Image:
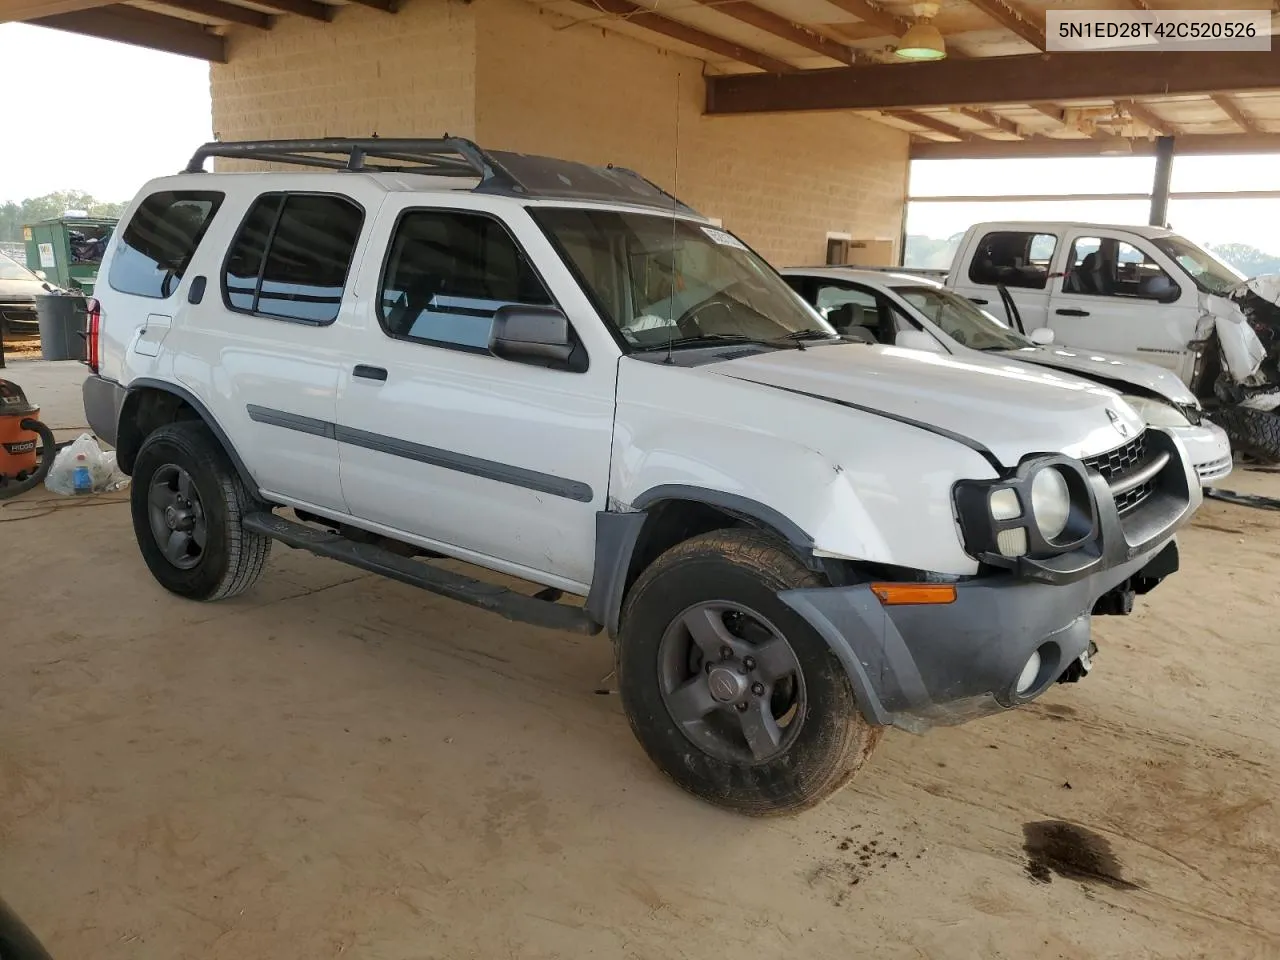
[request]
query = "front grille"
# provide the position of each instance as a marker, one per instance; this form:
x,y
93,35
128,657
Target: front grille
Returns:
x,y
1115,465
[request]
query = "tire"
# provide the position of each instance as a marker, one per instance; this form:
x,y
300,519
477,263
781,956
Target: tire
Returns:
x,y
229,559
826,739
1252,432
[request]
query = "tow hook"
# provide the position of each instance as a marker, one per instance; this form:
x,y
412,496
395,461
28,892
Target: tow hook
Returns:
x,y
1080,667
1116,602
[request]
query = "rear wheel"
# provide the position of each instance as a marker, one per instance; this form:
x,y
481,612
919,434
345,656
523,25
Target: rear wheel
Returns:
x,y
730,692
188,503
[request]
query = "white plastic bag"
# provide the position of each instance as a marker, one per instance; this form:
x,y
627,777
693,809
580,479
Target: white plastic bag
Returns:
x,y
83,467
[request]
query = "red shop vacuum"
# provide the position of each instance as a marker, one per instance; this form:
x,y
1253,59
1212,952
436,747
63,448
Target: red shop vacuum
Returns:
x,y
26,445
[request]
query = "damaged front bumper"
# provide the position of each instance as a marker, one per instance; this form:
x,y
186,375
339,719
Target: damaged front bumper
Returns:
x,y
1208,450
1006,637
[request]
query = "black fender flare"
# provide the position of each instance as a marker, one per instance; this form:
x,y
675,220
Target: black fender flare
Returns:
x,y
617,534
182,393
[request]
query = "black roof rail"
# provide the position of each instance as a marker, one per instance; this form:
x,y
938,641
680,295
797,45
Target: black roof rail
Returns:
x,y
497,172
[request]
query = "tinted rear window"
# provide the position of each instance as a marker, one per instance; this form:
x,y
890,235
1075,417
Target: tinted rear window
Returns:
x,y
292,255
160,240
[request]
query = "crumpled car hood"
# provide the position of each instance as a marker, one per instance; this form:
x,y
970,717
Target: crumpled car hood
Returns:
x,y
1011,409
1164,383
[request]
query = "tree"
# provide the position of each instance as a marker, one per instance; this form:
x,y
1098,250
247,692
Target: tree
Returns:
x,y
1250,261
15,216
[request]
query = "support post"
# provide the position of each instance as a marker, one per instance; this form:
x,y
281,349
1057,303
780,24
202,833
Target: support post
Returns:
x,y
1160,189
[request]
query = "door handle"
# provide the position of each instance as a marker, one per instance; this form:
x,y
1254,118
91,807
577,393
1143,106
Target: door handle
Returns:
x,y
367,372
196,291
979,301
1071,313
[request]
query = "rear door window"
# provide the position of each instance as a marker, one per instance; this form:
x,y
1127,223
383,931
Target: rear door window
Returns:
x,y
1015,258
160,240
292,256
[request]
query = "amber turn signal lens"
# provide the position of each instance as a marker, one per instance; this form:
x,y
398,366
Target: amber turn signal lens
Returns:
x,y
893,594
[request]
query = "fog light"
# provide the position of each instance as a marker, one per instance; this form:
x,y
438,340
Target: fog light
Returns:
x,y
1012,543
1004,504
1027,678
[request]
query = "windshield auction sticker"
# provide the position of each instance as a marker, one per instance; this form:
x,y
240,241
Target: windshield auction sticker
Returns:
x,y
1150,30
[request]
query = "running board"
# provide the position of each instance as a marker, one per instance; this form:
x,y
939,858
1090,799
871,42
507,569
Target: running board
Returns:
x,y
455,586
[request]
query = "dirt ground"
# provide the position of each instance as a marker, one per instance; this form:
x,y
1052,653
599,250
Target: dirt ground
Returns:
x,y
335,765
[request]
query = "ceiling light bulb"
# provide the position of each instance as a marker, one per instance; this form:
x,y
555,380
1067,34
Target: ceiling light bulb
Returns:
x,y
923,41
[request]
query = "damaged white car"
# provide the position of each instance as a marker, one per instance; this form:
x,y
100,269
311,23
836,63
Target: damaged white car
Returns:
x,y
918,313
1142,292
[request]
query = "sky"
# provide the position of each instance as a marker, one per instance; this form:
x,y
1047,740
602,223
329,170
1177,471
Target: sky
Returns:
x,y
109,117
1254,222
86,114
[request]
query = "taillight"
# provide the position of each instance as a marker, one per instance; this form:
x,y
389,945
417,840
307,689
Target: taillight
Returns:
x,y
93,312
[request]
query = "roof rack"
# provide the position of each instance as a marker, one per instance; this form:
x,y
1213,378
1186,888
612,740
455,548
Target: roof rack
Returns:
x,y
497,172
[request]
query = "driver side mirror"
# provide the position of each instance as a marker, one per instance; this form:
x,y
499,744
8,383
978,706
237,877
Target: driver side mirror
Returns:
x,y
41,275
917,340
528,334
1041,336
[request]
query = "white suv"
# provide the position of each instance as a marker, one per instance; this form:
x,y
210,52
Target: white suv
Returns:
x,y
561,373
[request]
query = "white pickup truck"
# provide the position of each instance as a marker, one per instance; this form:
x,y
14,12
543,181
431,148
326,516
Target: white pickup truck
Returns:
x,y
1137,291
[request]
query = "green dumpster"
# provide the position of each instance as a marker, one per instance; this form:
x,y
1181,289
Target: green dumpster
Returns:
x,y
68,250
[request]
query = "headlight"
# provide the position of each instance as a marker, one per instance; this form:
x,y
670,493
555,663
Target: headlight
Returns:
x,y
1045,509
1157,413
1050,502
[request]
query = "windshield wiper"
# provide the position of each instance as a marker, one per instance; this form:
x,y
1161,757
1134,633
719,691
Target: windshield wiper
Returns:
x,y
714,338
810,334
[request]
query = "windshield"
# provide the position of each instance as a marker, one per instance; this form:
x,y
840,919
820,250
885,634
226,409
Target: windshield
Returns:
x,y
662,281
12,270
1208,273
961,320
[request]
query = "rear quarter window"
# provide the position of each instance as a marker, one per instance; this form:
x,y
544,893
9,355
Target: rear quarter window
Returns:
x,y
159,241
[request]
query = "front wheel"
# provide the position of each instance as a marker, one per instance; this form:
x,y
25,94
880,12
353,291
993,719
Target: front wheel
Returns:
x,y
730,692
188,503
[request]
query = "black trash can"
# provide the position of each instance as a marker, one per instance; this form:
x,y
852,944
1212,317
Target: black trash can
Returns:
x,y
62,324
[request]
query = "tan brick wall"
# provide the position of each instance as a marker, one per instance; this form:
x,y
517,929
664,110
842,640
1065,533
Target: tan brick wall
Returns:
x,y
412,74
516,77
780,182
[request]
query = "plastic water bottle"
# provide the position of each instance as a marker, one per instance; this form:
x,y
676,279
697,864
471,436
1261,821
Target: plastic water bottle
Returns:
x,y
82,482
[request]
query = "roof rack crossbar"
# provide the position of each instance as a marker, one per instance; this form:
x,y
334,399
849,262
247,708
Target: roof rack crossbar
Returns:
x,y
447,154
450,157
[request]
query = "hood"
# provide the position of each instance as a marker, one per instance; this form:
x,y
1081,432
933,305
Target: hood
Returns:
x,y
1107,366
1009,408
21,289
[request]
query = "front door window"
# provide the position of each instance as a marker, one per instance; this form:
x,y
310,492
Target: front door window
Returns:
x,y
1109,267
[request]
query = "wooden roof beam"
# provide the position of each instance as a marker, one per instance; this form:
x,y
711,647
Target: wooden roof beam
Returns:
x,y
936,124
1192,144
1052,111
1038,78
1232,110
1157,123
1009,17
386,6
142,28
302,8
876,16
16,10
644,17
220,10
746,12
993,120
